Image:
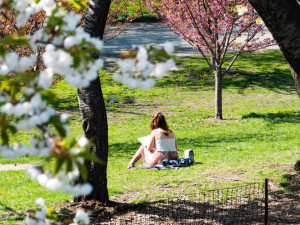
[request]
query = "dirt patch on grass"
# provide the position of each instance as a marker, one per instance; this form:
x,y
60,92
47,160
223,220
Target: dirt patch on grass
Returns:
x,y
284,167
227,177
6,167
214,120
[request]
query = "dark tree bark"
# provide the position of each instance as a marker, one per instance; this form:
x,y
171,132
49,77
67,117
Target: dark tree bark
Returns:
x,y
282,17
92,107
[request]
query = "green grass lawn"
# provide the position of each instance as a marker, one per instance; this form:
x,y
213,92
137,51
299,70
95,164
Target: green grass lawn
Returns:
x,y
259,137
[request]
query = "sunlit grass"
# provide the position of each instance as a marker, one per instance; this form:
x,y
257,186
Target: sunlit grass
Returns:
x,y
259,138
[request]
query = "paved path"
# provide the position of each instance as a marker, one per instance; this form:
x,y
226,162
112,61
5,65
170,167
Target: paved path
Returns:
x,y
150,33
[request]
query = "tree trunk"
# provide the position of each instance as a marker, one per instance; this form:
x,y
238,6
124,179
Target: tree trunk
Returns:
x,y
282,17
218,94
218,87
92,107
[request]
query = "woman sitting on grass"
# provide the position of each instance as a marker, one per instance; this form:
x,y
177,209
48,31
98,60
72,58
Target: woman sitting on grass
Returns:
x,y
162,144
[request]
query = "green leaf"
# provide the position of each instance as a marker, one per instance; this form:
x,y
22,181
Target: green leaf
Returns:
x,y
76,61
58,126
57,165
51,214
69,165
7,84
79,4
89,156
71,143
83,170
13,129
48,96
4,136
2,50
14,40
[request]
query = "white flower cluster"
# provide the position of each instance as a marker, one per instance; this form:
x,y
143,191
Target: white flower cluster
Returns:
x,y
61,182
136,72
79,36
12,62
40,216
81,217
59,61
241,10
38,148
34,112
26,8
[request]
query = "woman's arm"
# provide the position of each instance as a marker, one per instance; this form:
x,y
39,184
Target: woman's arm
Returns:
x,y
152,142
175,140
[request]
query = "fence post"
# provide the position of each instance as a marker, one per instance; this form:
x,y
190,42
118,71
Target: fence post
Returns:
x,y
266,201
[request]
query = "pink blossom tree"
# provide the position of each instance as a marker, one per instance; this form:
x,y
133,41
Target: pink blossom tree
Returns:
x,y
220,29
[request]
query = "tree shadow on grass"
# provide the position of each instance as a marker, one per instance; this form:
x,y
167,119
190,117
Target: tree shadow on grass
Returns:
x,y
276,118
176,210
279,81
10,215
70,104
196,76
124,149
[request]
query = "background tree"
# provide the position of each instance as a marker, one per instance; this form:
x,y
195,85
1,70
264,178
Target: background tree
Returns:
x,y
215,28
282,17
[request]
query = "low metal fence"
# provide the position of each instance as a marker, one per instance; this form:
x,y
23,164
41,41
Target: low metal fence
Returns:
x,y
245,204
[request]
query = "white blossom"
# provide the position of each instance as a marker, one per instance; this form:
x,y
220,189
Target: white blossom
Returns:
x,y
41,215
7,108
64,117
142,55
11,60
40,201
53,184
42,179
117,77
146,84
29,91
30,221
4,98
45,78
33,172
71,21
47,5
4,70
242,10
8,153
25,62
58,41
71,41
81,216
131,82
82,142
162,68
126,65
36,101
169,47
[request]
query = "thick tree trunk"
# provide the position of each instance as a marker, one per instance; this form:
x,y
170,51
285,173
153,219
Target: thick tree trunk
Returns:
x,y
218,94
282,17
92,107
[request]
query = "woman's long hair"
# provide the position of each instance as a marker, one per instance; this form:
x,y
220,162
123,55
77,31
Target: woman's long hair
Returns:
x,y
159,121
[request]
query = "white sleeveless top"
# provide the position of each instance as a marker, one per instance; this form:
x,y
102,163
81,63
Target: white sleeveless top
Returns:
x,y
165,144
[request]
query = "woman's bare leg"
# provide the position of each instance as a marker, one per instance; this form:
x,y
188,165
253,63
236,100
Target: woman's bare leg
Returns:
x,y
136,157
